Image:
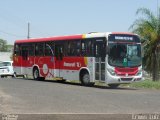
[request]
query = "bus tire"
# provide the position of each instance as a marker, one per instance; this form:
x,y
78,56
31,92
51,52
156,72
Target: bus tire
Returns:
x,y
85,79
36,74
113,85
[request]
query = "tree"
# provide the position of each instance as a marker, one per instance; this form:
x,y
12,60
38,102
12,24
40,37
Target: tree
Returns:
x,y
148,27
3,45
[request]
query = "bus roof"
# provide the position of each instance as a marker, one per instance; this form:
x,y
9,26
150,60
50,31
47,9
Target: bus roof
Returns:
x,y
56,38
70,37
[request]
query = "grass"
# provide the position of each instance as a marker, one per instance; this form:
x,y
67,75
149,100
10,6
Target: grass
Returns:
x,y
147,84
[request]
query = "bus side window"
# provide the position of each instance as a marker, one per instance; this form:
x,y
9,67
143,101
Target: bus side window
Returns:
x,y
17,50
87,48
59,52
39,49
78,48
83,49
56,52
24,52
31,50
71,48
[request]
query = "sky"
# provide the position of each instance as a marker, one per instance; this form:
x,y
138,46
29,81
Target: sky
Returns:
x,y
67,17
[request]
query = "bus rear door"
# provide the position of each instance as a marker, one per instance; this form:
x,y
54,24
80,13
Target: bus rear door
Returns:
x,y
27,59
59,59
24,62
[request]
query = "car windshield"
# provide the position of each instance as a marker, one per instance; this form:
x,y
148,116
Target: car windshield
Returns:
x,y
2,64
124,55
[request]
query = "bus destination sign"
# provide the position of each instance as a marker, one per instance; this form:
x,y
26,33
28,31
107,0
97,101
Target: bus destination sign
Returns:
x,y
123,38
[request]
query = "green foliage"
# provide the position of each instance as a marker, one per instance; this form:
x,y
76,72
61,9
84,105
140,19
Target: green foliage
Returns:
x,y
148,27
146,84
3,45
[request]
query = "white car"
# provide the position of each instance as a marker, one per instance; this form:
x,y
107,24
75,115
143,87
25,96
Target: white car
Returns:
x,y
6,69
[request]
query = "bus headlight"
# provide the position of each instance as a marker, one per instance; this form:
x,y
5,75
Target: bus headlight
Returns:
x,y
139,72
111,71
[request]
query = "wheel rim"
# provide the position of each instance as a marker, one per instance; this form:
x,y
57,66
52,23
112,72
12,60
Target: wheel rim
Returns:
x,y
85,79
36,74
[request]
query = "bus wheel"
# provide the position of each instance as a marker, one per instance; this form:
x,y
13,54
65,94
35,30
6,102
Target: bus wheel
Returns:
x,y
35,74
113,85
85,80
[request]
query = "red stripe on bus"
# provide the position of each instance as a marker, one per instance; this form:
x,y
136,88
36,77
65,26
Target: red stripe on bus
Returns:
x,y
72,37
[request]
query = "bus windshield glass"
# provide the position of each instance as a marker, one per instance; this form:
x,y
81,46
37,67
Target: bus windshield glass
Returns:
x,y
124,55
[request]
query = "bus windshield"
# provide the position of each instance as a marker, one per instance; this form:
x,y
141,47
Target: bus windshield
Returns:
x,y
124,55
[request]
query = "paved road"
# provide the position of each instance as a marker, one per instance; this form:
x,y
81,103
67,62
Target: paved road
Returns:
x,y
38,97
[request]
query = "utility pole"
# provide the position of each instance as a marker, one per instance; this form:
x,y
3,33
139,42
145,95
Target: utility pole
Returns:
x,y
28,35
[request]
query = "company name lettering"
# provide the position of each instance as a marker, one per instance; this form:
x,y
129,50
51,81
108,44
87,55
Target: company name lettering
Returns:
x,y
72,64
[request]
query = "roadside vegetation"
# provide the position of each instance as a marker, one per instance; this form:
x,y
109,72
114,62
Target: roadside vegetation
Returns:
x,y
4,47
147,26
146,84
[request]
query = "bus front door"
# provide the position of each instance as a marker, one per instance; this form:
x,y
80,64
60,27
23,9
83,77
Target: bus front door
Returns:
x,y
100,60
59,60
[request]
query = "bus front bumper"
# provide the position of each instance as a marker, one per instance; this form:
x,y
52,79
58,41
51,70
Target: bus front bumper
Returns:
x,y
122,79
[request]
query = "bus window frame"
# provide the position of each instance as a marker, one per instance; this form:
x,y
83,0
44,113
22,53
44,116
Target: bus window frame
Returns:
x,y
17,52
52,45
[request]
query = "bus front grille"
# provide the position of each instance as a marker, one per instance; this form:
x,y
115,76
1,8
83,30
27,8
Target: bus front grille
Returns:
x,y
126,79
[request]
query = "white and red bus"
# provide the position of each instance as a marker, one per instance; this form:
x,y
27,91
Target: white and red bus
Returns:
x,y
110,57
